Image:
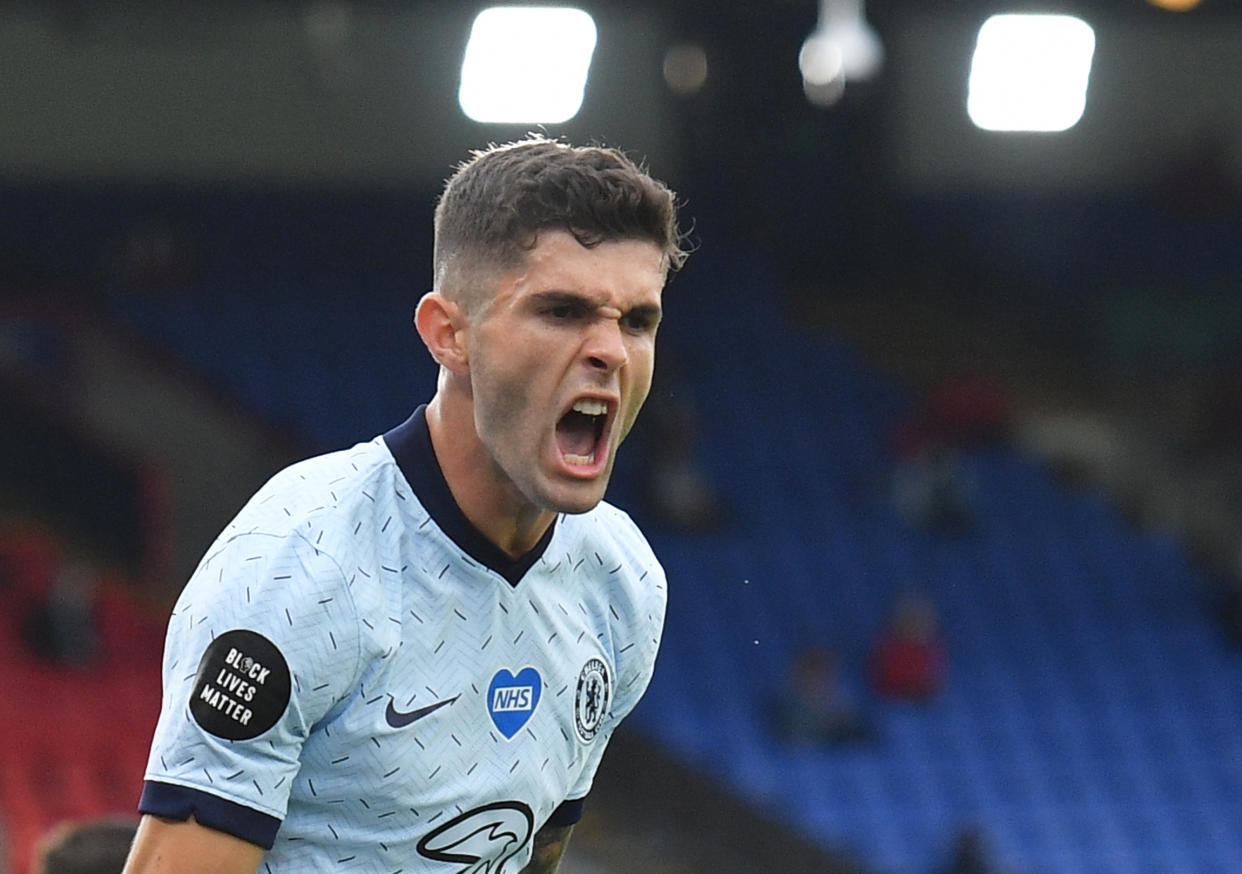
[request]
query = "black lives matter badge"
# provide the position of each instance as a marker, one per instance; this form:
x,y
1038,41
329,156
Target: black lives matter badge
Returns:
x,y
242,686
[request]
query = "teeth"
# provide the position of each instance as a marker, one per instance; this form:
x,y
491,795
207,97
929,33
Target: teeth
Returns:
x,y
580,459
590,407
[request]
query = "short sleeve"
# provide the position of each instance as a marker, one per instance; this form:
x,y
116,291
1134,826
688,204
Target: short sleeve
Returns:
x,y
262,644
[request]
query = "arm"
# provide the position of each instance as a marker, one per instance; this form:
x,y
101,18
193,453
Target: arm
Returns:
x,y
166,846
550,845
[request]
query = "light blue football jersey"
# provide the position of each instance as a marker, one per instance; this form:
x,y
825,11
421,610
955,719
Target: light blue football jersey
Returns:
x,y
355,678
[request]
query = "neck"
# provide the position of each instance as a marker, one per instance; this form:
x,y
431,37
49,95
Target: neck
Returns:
x,y
485,496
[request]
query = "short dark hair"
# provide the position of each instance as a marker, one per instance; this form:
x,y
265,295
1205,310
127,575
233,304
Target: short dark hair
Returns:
x,y
496,203
97,846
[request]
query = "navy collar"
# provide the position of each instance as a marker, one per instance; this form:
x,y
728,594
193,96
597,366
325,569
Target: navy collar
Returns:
x,y
410,445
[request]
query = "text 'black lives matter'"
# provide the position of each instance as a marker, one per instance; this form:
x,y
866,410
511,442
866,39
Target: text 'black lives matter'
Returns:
x,y
242,686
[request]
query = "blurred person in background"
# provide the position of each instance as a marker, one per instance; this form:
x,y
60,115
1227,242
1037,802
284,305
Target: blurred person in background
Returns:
x,y
91,846
62,626
932,491
931,482
815,707
969,855
909,659
678,490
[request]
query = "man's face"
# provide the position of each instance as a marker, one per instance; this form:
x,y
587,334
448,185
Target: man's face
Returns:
x,y
560,362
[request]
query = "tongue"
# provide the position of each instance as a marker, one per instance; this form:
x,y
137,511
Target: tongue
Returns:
x,y
575,434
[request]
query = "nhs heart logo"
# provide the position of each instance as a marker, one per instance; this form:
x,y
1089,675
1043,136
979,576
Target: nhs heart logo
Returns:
x,y
512,699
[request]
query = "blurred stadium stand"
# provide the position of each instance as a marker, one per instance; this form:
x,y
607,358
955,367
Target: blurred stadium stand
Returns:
x,y
1083,727
183,340
75,737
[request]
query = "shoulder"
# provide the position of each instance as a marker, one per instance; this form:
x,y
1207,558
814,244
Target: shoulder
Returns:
x,y
335,482
290,552
611,526
607,540
330,504
608,535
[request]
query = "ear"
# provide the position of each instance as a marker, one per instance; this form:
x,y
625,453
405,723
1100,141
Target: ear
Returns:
x,y
442,325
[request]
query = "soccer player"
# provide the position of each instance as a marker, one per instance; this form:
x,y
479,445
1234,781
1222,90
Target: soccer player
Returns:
x,y
409,656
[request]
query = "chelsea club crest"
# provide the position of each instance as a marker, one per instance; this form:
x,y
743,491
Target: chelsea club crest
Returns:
x,y
592,698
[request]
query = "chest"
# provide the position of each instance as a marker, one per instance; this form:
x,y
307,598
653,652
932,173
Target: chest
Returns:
x,y
475,693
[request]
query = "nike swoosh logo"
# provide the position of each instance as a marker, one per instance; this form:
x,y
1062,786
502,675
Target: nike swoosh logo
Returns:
x,y
397,719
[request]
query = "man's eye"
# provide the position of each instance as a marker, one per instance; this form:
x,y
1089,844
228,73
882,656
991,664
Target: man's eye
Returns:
x,y
562,312
639,322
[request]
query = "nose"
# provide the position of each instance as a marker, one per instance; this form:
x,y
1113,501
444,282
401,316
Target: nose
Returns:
x,y
605,348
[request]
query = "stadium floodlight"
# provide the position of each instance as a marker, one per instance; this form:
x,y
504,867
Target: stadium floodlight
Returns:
x,y
526,64
843,48
685,68
823,70
1030,73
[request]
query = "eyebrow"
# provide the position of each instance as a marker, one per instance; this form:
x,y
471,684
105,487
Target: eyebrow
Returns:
x,y
575,299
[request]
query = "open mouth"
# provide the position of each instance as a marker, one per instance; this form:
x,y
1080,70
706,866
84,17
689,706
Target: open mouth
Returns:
x,y
580,432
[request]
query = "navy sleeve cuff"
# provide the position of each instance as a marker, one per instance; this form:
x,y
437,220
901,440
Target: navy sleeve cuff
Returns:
x,y
567,814
179,802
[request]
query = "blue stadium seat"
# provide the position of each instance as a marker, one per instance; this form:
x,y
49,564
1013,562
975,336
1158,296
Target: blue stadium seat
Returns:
x,y
1088,725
